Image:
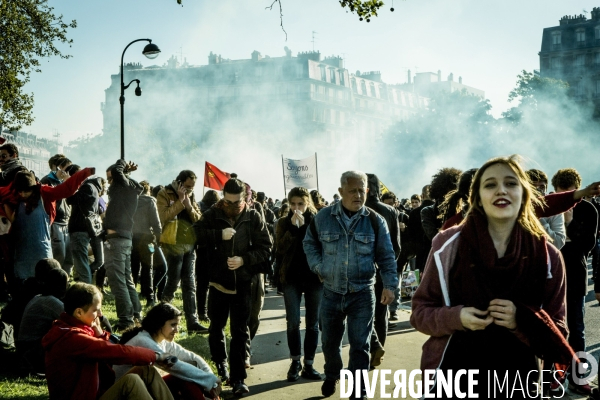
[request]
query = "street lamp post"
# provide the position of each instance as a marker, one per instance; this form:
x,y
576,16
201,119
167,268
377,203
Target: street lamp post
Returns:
x,y
151,51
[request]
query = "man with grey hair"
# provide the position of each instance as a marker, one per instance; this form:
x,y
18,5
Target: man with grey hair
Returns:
x,y
342,245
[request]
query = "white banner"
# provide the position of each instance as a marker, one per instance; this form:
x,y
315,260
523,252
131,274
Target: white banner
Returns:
x,y
300,173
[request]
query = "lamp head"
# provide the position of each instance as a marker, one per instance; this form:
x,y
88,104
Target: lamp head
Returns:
x,y
138,91
151,51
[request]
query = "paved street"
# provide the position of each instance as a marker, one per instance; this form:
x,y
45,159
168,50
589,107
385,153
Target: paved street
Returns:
x,y
270,361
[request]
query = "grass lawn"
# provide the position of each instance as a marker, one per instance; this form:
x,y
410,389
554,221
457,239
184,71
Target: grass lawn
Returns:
x,y
14,385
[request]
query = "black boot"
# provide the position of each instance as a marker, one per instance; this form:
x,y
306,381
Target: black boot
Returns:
x,y
308,372
294,371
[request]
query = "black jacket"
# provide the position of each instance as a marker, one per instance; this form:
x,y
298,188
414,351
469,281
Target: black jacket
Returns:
x,y
122,201
389,213
294,266
582,232
84,203
251,241
146,217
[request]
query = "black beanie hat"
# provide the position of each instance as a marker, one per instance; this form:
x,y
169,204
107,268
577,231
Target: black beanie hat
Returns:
x,y
24,181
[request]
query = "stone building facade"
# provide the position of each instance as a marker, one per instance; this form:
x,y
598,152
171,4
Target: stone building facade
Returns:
x,y
34,151
571,52
296,96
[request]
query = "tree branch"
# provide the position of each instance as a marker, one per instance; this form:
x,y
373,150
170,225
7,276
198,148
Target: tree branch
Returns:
x,y
280,15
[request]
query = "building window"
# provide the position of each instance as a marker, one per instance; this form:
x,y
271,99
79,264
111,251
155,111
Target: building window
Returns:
x,y
580,88
597,58
342,78
332,75
556,38
597,33
580,60
580,36
363,88
598,88
353,84
323,73
373,91
555,62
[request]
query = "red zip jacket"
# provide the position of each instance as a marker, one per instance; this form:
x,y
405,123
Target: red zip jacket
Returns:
x,y
48,193
77,362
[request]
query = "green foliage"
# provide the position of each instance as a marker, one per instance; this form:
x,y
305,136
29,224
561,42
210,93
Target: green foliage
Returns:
x,y
28,32
365,9
531,92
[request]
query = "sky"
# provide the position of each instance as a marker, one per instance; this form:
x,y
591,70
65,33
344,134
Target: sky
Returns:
x,y
486,43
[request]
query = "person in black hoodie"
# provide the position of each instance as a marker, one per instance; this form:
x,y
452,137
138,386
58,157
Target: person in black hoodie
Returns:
x,y
84,204
146,228
391,215
122,203
9,166
419,241
582,225
297,278
210,198
238,241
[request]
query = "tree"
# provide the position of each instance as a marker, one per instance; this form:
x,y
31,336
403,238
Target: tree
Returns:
x,y
532,92
29,31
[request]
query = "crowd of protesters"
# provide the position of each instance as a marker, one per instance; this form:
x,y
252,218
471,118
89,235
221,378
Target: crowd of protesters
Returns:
x,y
501,262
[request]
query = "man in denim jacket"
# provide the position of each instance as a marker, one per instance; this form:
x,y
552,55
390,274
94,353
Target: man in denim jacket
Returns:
x,y
341,248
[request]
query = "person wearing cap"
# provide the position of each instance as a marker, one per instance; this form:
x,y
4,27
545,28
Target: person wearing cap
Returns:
x,y
32,209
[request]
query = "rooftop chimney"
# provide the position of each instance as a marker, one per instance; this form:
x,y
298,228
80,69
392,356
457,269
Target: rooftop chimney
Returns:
x,y
409,77
450,77
460,79
256,56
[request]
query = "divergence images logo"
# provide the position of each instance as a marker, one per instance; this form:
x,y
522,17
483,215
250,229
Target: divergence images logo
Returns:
x,y
587,368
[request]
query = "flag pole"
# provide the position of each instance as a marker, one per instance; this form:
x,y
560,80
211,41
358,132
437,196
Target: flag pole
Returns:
x,y
283,172
203,186
317,168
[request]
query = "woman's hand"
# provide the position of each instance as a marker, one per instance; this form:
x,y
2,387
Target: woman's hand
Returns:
x,y
298,219
215,392
504,313
474,319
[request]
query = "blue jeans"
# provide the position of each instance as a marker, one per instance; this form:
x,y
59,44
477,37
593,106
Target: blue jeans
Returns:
x,y
292,295
118,271
61,246
79,248
358,309
181,260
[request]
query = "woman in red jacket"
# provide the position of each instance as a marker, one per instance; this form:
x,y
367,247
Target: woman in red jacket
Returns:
x,y
31,213
492,296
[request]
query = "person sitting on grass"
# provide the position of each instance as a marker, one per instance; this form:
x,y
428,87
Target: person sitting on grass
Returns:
x,y
39,315
190,377
79,354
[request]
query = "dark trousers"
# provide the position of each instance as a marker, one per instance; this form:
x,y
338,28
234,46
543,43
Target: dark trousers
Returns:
x,y
202,280
236,307
380,323
142,267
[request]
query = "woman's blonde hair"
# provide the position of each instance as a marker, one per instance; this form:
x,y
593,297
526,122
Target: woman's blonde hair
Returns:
x,y
526,218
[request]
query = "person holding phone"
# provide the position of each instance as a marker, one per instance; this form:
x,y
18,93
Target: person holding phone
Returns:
x,y
178,211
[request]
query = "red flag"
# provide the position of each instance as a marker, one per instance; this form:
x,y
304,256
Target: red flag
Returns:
x,y
2,140
214,178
